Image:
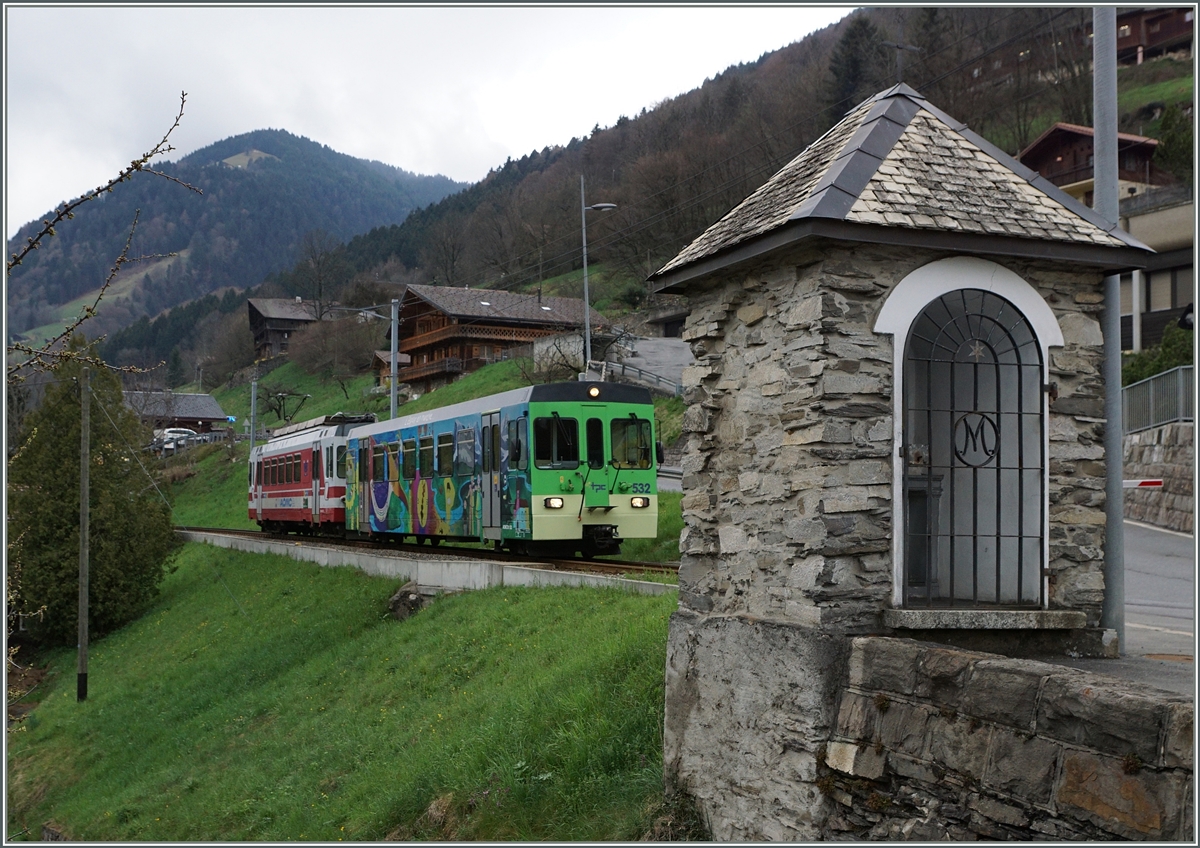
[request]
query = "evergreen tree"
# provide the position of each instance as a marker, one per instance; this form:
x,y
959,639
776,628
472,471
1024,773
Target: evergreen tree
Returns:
x,y
131,535
858,68
1176,144
176,375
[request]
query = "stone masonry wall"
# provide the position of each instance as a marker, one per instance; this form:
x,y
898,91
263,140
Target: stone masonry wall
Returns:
x,y
788,465
786,550
934,743
1167,452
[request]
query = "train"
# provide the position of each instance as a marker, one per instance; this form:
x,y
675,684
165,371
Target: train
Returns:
x,y
556,469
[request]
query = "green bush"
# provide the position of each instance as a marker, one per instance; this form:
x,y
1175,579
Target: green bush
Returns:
x,y
1176,349
130,530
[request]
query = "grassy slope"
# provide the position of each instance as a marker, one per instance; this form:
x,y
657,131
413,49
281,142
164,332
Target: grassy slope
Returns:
x,y
262,698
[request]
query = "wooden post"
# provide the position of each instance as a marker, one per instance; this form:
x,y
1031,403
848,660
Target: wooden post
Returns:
x,y
84,463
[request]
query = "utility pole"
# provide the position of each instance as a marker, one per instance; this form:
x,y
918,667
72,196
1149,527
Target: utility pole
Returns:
x,y
900,48
253,409
395,343
85,397
1107,204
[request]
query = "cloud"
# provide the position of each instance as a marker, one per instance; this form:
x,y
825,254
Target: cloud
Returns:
x,y
444,90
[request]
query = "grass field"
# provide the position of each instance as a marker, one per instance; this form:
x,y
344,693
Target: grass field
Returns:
x,y
266,699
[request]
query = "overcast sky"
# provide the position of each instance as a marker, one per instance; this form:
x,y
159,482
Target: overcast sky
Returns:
x,y
441,90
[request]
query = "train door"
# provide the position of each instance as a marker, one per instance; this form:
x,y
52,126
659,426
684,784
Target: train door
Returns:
x,y
317,465
257,481
490,438
595,489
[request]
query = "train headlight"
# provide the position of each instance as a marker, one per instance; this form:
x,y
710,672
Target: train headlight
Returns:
x,y
594,392
554,503
639,503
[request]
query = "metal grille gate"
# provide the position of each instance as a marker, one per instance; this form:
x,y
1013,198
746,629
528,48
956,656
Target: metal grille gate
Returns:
x,y
974,461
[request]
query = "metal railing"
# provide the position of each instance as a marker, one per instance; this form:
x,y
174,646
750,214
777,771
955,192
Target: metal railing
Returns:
x,y
633,374
1161,399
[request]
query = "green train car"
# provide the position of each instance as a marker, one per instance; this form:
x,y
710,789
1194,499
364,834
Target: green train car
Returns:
x,y
557,470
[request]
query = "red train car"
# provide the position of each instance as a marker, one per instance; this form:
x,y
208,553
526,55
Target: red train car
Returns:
x,y
298,478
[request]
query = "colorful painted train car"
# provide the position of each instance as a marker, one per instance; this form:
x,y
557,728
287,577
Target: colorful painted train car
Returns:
x,y
553,469
298,478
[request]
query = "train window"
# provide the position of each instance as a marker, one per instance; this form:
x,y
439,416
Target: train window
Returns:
x,y
364,464
340,459
518,456
595,443
410,459
270,472
425,457
287,469
379,463
631,443
495,428
519,440
328,461
486,459
556,442
296,475
464,453
258,473
445,454
391,462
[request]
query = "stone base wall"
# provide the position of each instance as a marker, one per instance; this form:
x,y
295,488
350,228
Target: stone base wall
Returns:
x,y
750,703
937,743
782,732
1167,452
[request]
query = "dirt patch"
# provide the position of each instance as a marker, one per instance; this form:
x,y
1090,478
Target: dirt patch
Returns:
x,y
22,683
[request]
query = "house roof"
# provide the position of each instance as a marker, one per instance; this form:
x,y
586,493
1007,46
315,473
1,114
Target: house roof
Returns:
x,y
284,308
898,170
504,306
196,407
385,356
1062,127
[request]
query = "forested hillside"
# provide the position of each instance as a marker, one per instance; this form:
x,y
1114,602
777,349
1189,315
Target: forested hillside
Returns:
x,y
262,191
680,164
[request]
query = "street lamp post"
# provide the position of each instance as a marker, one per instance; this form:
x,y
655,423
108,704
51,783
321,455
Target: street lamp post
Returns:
x,y
587,320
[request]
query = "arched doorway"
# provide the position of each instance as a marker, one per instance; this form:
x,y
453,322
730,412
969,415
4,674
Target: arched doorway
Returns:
x,y
973,455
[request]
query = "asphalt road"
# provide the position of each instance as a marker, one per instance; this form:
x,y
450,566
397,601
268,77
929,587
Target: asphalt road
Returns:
x,y
1160,612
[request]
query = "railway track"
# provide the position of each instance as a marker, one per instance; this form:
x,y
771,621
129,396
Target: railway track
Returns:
x,y
595,566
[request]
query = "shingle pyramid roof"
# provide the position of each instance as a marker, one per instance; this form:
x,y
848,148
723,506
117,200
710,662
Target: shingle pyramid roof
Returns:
x,y
910,173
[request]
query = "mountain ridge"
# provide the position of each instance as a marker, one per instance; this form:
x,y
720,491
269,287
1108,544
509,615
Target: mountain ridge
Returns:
x,y
246,225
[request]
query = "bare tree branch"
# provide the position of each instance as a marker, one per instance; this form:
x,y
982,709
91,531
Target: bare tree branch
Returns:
x,y
53,351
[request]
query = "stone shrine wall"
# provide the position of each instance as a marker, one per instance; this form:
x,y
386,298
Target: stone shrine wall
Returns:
x,y
788,465
787,555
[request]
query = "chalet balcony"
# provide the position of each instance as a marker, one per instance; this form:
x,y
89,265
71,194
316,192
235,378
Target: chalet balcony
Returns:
x,y
449,365
474,332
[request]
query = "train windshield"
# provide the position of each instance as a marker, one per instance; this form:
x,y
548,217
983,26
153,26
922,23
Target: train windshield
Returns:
x,y
631,443
556,442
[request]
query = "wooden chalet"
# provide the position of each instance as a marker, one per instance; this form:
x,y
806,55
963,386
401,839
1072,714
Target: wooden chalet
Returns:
x,y
1064,155
273,320
450,331
162,409
382,365
1146,32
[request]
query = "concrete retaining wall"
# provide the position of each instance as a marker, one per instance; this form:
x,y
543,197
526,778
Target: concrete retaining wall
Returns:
x,y
937,743
1166,452
434,574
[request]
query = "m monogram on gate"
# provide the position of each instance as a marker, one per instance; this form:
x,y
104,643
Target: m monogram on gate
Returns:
x,y
976,438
